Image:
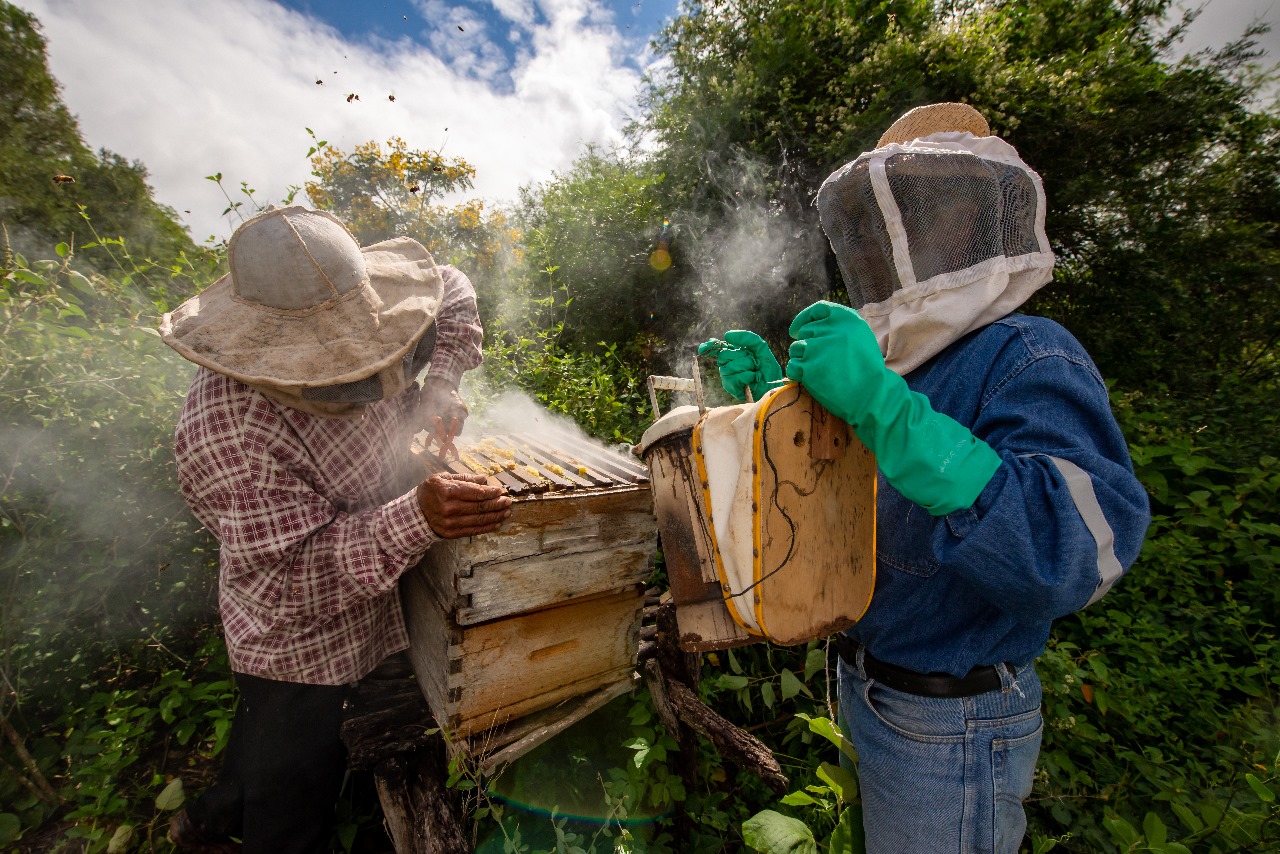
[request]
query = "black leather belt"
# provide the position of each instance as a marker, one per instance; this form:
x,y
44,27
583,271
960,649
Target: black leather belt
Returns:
x,y
979,680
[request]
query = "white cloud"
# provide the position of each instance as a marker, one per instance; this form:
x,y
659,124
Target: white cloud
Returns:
x,y
194,88
1223,21
516,11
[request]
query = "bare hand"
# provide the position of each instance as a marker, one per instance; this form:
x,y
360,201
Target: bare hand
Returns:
x,y
462,505
444,413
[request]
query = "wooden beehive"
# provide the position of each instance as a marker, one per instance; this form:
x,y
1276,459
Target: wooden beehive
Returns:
x,y
814,513
516,633
687,547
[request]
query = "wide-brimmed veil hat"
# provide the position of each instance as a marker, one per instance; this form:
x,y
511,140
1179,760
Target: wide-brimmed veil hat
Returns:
x,y
304,306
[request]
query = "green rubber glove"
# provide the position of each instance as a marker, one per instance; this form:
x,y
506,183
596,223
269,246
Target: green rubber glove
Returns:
x,y
929,457
745,361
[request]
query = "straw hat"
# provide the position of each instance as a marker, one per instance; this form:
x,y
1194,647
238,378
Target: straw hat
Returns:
x,y
934,118
304,306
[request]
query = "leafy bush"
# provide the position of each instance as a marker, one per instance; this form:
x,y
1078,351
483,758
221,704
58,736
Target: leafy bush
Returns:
x,y
603,392
105,580
1162,699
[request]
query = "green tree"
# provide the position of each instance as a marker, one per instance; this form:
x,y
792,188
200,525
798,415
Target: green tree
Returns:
x,y
397,191
591,242
400,192
1161,180
49,178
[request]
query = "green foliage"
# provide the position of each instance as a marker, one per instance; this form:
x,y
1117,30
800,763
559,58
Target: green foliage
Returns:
x,y
603,392
833,800
394,192
1161,182
774,833
48,175
105,581
1161,700
89,397
120,766
589,239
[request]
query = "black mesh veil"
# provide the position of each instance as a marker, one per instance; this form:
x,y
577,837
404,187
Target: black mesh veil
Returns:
x,y
905,217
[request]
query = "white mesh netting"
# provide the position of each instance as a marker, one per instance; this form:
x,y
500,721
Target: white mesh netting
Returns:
x,y
903,215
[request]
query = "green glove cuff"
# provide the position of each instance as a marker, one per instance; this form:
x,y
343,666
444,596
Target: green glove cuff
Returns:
x,y
929,457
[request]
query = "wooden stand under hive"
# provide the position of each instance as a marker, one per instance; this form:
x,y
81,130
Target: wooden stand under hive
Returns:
x,y
518,633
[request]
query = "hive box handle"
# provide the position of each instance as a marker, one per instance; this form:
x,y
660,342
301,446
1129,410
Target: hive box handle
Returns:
x,y
675,384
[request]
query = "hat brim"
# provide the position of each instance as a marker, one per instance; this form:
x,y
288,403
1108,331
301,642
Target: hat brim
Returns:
x,y
361,333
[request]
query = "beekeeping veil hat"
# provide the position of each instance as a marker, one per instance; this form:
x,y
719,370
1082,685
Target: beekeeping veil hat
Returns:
x,y
309,318
938,231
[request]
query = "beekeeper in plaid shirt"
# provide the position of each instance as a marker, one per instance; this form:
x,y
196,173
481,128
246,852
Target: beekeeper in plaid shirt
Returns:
x,y
293,450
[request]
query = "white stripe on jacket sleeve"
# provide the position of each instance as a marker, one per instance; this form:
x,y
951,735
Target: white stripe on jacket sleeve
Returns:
x,y
1080,486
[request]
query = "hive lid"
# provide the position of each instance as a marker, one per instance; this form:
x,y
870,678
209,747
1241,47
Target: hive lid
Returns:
x,y
678,419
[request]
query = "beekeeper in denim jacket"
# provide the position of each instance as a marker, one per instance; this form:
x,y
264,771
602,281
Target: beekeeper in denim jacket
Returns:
x,y
1007,496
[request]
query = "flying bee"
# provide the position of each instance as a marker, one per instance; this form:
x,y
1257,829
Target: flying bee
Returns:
x,y
63,179
413,188
352,97
319,82
391,98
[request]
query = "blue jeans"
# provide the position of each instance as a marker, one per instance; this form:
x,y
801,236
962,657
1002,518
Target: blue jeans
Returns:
x,y
943,775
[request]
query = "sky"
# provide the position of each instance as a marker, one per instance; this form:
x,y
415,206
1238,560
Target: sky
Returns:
x,y
194,88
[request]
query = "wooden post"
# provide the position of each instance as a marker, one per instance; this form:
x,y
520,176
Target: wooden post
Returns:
x,y
671,676
421,816
387,731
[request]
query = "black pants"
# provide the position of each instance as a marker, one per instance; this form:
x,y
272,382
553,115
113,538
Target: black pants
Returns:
x,y
282,771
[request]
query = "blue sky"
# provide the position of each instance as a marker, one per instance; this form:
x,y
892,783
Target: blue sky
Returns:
x,y
493,30
194,88
517,87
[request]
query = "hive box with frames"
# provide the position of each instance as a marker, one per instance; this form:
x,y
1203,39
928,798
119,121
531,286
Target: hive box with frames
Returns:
x,y
767,516
516,634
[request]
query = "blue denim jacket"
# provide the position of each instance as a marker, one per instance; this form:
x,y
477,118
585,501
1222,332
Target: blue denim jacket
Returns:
x,y
1063,517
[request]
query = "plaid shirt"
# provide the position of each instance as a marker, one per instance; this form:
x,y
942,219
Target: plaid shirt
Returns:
x,y
316,517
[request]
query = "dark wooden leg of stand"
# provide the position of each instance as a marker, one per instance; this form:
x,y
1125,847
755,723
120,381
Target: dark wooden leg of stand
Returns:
x,y
672,676
420,814
388,730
